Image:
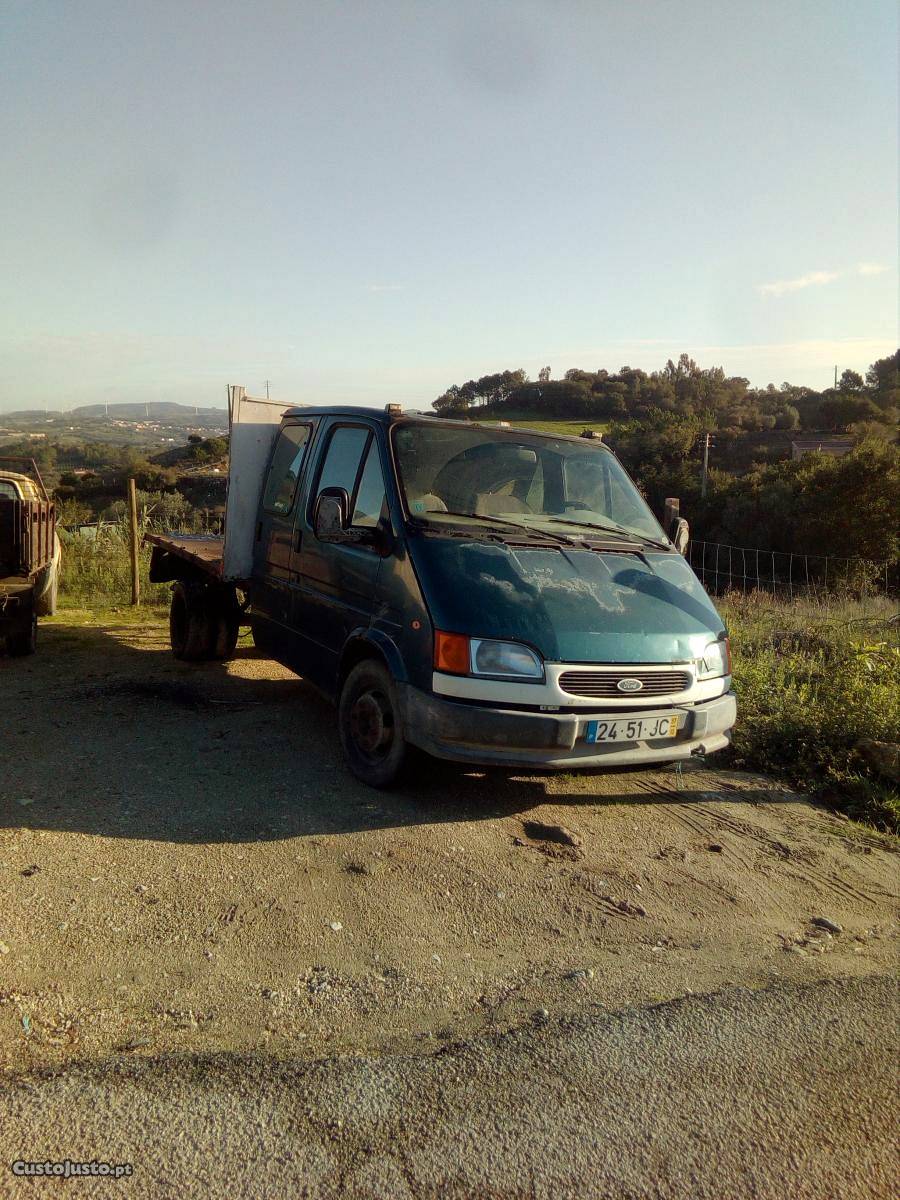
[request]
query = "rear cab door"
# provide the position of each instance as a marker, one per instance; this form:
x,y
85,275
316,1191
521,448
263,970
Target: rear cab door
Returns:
x,y
277,541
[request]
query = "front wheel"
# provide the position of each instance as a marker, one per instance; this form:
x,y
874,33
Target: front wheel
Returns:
x,y
370,726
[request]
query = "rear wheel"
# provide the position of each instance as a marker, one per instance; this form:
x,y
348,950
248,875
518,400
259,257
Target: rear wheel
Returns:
x,y
18,645
226,627
204,621
370,726
190,625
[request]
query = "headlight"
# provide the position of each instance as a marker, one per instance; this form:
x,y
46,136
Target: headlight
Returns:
x,y
716,660
504,658
456,654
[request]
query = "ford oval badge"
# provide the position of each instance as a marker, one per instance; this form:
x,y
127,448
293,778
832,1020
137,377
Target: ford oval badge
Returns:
x,y
629,685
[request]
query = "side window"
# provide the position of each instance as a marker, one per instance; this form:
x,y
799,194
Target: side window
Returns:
x,y
370,494
281,482
341,466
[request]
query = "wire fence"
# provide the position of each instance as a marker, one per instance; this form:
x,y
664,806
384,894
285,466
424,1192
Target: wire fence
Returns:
x,y
722,568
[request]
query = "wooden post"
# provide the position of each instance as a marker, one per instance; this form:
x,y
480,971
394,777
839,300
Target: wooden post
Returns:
x,y
135,548
671,513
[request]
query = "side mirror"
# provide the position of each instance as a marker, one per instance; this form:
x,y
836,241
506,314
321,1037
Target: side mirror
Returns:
x,y
680,534
332,515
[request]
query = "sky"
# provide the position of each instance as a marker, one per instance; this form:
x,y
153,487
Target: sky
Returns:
x,y
367,202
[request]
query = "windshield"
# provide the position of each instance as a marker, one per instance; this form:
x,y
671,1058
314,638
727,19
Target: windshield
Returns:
x,y
516,476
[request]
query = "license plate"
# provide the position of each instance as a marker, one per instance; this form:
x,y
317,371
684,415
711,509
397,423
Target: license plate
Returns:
x,y
634,729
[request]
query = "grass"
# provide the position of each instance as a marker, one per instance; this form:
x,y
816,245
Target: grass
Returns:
x,y
569,428
813,679
96,572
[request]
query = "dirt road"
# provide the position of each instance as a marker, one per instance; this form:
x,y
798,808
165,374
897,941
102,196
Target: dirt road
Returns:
x,y
185,865
782,1093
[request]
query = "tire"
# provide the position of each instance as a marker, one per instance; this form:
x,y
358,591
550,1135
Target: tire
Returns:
x,y
226,627
370,725
19,645
191,624
45,605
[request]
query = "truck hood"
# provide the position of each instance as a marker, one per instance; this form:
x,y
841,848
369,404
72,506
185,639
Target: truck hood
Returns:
x,y
571,605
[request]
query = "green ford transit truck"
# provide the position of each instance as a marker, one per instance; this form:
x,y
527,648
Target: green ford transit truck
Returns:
x,y
490,595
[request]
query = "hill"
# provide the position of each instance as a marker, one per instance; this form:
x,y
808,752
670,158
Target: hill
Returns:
x,y
154,410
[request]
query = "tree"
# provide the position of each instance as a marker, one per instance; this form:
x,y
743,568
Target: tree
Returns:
x,y
839,412
787,418
851,381
544,375
883,380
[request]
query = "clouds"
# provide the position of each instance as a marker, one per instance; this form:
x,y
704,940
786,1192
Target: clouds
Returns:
x,y
870,268
782,287
810,279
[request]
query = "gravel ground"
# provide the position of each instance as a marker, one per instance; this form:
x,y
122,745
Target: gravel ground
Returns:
x,y
786,1092
190,878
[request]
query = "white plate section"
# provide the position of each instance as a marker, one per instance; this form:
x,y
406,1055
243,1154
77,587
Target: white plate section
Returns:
x,y
254,426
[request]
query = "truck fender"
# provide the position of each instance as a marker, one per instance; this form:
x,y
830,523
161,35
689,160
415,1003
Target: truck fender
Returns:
x,y
360,644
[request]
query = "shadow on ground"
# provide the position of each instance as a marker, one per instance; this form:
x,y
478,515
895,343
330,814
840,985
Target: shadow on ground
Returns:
x,y
106,734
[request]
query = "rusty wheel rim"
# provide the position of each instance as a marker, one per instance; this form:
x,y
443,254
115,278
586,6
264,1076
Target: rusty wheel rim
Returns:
x,y
372,725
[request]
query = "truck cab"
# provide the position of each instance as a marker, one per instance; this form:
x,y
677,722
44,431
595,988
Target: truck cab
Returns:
x,y
489,595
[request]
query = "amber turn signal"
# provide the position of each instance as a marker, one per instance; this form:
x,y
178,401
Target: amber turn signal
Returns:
x,y
451,653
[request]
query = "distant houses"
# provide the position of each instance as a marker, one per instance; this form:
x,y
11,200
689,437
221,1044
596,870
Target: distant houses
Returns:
x,y
822,443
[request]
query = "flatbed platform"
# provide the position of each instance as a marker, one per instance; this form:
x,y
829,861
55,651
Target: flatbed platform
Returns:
x,y
205,551
15,586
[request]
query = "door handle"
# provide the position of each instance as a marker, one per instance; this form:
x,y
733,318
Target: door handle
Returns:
x,y
298,542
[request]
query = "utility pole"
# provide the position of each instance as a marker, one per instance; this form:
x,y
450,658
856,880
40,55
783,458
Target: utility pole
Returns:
x,y
835,376
707,442
267,388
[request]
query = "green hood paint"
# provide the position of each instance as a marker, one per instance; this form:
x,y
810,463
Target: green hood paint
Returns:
x,y
571,605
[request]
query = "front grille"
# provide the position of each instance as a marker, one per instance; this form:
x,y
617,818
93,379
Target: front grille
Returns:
x,y
605,683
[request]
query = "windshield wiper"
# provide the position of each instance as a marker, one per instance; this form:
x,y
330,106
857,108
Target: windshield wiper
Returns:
x,y
517,525
522,527
611,528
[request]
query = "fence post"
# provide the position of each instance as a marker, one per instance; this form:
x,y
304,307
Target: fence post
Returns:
x,y
133,538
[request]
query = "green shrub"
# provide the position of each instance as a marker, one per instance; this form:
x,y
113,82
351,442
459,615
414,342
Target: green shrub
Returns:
x,y
812,680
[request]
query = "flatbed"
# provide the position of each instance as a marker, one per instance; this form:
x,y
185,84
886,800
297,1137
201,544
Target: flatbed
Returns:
x,y
203,551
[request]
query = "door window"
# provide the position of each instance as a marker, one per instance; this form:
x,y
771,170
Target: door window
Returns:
x,y
284,472
370,494
342,458
352,462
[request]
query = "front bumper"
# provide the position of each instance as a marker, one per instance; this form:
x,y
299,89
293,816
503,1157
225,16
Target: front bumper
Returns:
x,y
485,736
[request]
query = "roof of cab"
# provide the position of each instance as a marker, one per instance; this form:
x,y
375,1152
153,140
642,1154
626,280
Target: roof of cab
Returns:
x,y
386,417
28,489
355,410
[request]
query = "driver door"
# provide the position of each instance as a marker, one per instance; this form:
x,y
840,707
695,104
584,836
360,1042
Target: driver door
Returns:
x,y
338,581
